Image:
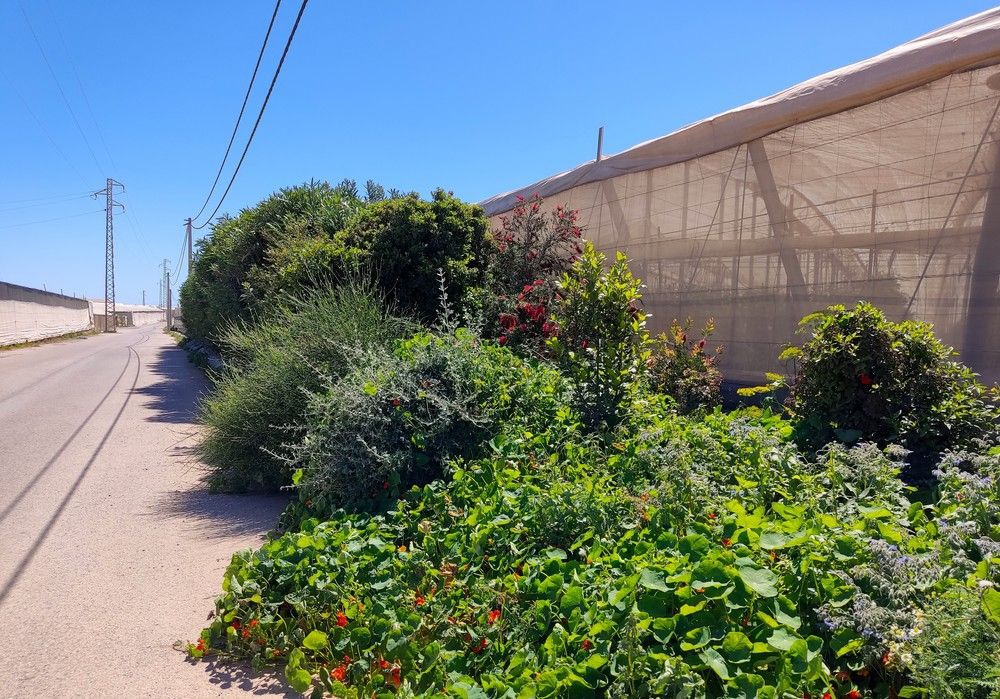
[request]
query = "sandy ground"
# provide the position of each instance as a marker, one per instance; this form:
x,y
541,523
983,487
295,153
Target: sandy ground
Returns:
x,y
110,548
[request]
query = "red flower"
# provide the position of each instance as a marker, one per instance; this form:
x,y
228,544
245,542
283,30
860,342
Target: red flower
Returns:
x,y
826,695
419,600
201,645
712,515
385,485
539,282
493,616
236,624
507,321
339,673
865,379
253,623
481,647
395,675
246,633
854,694
341,619
583,344
727,542
587,645
502,340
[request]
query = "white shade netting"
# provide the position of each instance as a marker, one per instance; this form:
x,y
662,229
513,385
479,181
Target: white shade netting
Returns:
x,y
27,315
875,182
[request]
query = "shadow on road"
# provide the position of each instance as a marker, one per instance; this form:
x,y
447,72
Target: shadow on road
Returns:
x,y
267,682
174,396
219,516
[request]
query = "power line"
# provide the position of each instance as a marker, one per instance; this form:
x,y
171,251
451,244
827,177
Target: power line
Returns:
x,y
79,83
243,107
42,201
260,114
50,220
58,85
41,126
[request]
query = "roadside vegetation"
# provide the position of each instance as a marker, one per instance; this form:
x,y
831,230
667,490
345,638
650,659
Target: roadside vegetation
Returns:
x,y
504,486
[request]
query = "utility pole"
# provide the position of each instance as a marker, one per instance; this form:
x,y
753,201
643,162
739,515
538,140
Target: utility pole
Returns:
x,y
143,297
110,321
163,283
187,226
168,300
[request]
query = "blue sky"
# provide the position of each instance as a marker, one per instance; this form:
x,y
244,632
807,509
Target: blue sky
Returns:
x,y
474,97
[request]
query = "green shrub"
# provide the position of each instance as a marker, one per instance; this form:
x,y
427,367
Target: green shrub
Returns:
x,y
559,564
680,367
403,412
232,274
406,241
862,377
602,344
271,365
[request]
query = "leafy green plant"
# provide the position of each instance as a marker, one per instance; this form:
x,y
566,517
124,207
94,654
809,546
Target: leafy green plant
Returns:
x,y
602,343
232,274
396,419
682,368
406,240
863,377
954,652
261,393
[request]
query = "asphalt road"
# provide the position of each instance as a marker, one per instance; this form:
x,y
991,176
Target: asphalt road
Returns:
x,y
111,550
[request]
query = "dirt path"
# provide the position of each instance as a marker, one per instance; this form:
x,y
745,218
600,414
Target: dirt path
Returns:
x,y
110,549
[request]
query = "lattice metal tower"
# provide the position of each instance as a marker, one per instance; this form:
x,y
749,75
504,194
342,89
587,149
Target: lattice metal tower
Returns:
x,y
110,324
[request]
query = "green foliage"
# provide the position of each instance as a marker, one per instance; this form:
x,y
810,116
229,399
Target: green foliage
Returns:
x,y
271,365
862,377
232,273
405,242
955,651
561,565
396,419
602,344
680,367
531,252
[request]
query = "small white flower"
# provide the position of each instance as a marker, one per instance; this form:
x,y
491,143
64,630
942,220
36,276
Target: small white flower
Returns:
x,y
985,583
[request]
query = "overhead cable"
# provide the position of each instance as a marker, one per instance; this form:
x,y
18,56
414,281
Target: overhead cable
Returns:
x,y
243,107
260,115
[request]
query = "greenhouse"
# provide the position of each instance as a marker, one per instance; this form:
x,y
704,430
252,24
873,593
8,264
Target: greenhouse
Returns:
x,y
877,181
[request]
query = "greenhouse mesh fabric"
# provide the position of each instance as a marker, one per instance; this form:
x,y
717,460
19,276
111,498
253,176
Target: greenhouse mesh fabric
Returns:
x,y
28,314
874,182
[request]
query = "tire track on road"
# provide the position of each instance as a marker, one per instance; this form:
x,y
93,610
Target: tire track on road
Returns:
x,y
36,545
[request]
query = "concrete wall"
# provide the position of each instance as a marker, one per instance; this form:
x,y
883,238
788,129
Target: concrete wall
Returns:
x,y
29,314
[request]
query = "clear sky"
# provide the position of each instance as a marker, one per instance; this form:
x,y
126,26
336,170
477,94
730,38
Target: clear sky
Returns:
x,y
475,97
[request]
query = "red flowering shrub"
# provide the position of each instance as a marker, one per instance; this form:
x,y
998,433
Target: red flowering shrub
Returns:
x,y
531,251
680,367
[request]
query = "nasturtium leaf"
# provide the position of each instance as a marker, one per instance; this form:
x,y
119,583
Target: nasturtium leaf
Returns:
x,y
781,639
845,640
745,687
572,598
713,659
770,541
991,605
361,636
316,640
696,638
652,580
760,580
695,546
298,678
736,647
688,609
798,655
